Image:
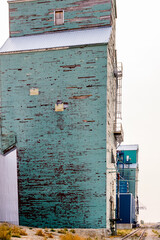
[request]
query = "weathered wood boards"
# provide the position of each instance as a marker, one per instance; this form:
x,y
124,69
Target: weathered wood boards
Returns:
x,y
36,17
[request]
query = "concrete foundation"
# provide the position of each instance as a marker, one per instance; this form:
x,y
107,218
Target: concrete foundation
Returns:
x,y
93,233
124,226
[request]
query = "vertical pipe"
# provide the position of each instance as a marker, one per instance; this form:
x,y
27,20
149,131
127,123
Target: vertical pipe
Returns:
x,y
118,198
137,205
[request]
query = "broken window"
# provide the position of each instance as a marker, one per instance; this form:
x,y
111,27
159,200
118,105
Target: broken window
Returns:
x,y
59,17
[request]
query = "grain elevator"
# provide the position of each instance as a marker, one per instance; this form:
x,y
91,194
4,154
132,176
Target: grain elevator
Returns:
x,y
59,103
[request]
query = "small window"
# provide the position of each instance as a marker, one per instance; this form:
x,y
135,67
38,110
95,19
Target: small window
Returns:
x,y
59,17
112,157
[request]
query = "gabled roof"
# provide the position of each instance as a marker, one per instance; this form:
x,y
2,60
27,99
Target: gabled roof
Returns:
x,y
128,147
57,40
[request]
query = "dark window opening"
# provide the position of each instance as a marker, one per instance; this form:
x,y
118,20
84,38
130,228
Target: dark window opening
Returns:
x,y
112,157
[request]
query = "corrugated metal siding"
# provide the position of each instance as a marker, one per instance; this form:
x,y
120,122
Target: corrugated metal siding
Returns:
x,y
130,175
36,17
61,155
128,167
123,186
127,208
57,40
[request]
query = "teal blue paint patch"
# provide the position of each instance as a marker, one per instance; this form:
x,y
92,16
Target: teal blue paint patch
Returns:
x,y
37,17
61,155
131,155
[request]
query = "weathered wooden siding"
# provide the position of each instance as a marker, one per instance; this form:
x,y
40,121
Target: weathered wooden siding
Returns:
x,y
61,155
37,16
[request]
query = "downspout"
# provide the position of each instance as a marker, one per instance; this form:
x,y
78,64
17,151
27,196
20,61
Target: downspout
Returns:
x,y
118,197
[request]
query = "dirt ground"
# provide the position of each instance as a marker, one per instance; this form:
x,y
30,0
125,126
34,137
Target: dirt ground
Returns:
x,y
56,234
85,234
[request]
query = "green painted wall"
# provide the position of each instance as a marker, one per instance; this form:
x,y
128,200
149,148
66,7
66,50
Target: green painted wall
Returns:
x,y
129,172
132,156
61,155
130,176
37,16
122,156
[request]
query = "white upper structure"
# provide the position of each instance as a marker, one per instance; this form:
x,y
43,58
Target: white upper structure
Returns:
x,y
57,40
128,147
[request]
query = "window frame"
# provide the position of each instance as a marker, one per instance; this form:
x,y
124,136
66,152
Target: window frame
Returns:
x,y
56,11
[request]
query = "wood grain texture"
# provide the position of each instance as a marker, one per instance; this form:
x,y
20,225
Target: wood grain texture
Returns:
x,y
61,155
37,17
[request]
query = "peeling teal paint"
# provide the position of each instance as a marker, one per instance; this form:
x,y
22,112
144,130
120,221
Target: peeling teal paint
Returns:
x,y
61,155
37,17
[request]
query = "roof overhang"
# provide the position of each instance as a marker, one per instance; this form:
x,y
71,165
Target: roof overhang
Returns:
x,y
57,40
128,147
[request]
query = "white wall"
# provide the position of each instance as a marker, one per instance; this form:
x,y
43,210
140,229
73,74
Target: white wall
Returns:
x,y
111,144
9,188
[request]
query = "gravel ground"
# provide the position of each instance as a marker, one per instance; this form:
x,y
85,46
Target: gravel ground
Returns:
x,y
85,233
151,235
95,234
